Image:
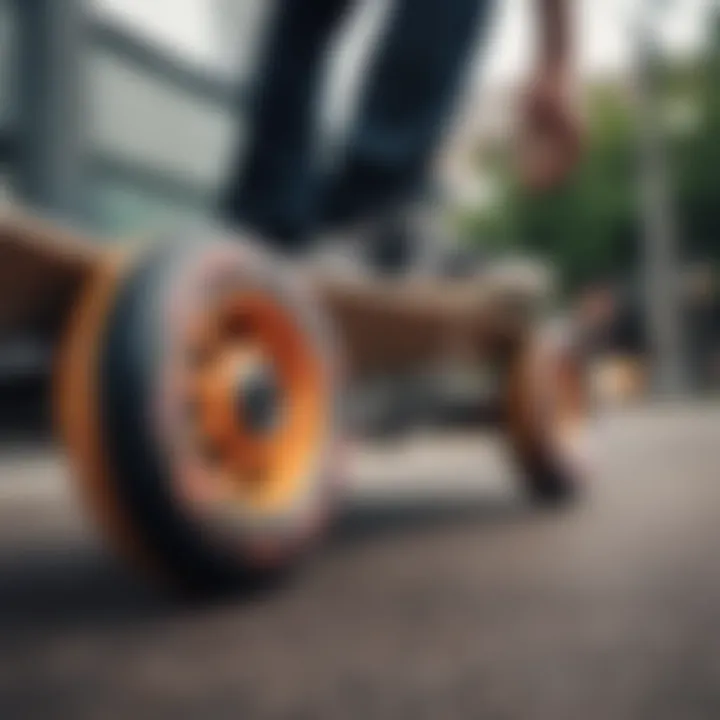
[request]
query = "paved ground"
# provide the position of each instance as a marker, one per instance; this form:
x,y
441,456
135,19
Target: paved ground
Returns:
x,y
445,598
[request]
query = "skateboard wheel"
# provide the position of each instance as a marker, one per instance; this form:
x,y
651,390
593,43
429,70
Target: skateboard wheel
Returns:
x,y
208,390
548,408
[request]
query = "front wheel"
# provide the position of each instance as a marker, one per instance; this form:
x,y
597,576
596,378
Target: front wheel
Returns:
x,y
197,398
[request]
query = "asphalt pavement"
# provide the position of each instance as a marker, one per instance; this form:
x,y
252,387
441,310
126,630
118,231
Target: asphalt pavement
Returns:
x,y
442,594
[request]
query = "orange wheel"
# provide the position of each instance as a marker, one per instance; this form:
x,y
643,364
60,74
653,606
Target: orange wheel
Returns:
x,y
208,430
548,409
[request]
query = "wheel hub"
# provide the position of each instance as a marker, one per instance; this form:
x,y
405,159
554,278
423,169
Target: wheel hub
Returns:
x,y
258,403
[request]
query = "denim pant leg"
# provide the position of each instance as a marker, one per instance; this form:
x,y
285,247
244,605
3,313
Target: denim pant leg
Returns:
x,y
268,188
407,99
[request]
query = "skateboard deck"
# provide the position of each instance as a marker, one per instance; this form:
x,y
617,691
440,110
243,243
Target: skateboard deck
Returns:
x,y
42,268
388,326
384,325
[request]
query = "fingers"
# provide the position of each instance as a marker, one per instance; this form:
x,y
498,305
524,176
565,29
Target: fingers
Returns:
x,y
552,158
551,142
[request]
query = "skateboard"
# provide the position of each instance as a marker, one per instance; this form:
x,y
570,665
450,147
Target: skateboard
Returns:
x,y
199,385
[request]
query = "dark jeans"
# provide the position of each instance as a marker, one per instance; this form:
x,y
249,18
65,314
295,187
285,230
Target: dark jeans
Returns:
x,y
276,186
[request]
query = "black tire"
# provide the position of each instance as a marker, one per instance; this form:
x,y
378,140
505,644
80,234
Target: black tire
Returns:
x,y
148,440
548,410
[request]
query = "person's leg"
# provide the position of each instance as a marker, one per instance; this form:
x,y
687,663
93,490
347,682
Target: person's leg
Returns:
x,y
268,186
407,100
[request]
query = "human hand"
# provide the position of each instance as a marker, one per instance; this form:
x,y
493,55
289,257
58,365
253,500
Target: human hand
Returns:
x,y
551,138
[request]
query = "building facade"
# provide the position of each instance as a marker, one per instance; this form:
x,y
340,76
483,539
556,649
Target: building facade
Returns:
x,y
122,113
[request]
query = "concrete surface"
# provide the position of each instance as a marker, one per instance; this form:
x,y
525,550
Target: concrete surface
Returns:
x,y
442,595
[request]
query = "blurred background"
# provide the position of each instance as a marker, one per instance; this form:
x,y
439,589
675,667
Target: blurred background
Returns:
x,y
438,599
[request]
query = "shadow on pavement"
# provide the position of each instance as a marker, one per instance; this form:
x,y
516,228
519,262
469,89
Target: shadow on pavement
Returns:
x,y
380,519
25,412
53,580
45,588
74,585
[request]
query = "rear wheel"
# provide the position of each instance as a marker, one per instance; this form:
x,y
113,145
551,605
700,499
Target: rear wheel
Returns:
x,y
197,396
548,408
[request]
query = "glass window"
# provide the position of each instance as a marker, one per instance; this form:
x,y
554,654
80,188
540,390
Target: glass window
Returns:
x,y
122,209
239,29
141,120
181,27
219,35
